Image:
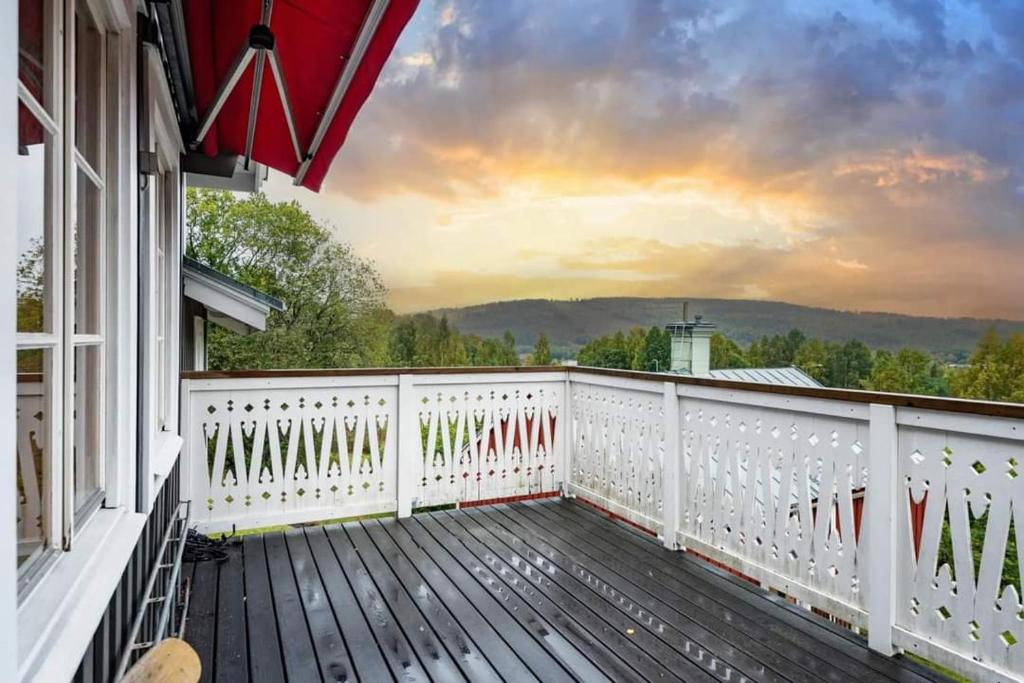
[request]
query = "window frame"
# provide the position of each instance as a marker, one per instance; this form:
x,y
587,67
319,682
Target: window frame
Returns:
x,y
62,521
50,114
161,291
75,161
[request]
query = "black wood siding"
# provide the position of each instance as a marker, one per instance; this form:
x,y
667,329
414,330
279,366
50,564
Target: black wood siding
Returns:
x,y
110,639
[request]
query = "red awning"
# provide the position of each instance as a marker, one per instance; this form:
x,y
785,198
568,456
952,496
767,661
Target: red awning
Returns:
x,y
329,52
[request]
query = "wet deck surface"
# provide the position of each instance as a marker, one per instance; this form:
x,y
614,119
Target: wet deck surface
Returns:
x,y
546,590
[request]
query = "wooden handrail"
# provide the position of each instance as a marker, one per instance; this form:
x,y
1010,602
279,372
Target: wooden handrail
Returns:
x,y
368,372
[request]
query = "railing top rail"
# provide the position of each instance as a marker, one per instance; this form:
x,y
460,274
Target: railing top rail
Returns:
x,y
953,405
369,372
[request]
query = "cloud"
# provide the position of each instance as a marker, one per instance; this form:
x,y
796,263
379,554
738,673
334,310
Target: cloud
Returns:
x,y
845,149
891,168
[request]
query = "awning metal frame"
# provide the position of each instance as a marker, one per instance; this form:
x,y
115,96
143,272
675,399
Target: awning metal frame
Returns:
x,y
261,48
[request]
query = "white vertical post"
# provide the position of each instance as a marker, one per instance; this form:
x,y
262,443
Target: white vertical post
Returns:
x,y
410,463
8,379
670,475
880,550
186,456
563,437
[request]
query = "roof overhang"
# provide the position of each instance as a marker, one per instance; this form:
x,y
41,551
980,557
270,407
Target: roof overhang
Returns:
x,y
223,172
228,303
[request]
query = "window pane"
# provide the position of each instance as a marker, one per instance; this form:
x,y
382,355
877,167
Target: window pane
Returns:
x,y
33,449
34,153
35,257
33,69
86,425
87,244
88,85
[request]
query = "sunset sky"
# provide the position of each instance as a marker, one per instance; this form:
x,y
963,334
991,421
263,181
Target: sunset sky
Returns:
x,y
861,155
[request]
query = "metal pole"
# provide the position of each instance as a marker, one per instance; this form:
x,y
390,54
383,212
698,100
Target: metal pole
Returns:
x,y
366,32
257,87
245,56
286,103
122,665
165,609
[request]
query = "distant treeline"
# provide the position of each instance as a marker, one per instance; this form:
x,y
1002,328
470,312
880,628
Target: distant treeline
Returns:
x,y
995,370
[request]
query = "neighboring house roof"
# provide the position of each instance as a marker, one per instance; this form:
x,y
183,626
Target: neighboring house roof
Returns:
x,y
228,302
791,376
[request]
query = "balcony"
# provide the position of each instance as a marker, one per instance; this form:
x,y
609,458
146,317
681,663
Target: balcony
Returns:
x,y
853,505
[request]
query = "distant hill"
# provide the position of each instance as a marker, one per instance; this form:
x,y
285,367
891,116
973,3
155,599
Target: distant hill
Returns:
x,y
570,324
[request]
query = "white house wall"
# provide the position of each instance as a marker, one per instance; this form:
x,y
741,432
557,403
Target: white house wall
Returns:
x,y
8,307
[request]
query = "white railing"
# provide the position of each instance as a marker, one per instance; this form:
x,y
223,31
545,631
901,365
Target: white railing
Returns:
x,y
285,449
891,513
30,441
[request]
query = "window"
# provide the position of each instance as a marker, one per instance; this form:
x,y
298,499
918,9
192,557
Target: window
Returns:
x,y
62,233
168,296
161,190
160,242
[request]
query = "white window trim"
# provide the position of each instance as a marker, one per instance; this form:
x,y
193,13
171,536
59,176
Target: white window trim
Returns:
x,y
161,447
60,614
8,363
44,576
61,610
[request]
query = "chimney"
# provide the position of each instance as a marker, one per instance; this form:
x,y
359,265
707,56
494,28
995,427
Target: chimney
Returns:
x,y
691,344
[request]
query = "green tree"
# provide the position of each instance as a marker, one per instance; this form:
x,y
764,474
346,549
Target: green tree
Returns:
x,y
812,357
541,351
605,352
657,350
335,314
725,353
778,351
908,371
995,371
849,365
635,345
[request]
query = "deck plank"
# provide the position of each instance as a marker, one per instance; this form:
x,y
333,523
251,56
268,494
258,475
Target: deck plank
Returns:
x,y
562,638
801,627
677,589
328,643
300,662
367,657
265,662
461,592
790,663
399,652
549,590
412,566
619,634
633,630
448,651
232,652
691,639
202,623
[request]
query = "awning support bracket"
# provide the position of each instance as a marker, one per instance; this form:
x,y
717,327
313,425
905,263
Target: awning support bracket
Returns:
x,y
261,46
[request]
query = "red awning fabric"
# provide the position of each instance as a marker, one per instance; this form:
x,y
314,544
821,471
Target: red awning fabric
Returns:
x,y
313,39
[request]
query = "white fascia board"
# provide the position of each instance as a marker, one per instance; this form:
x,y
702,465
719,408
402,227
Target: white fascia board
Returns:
x,y
224,300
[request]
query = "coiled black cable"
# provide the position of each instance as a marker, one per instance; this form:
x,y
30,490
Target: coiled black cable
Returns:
x,y
202,548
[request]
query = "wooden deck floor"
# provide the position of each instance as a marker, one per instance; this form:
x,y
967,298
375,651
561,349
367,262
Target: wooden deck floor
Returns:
x,y
547,590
